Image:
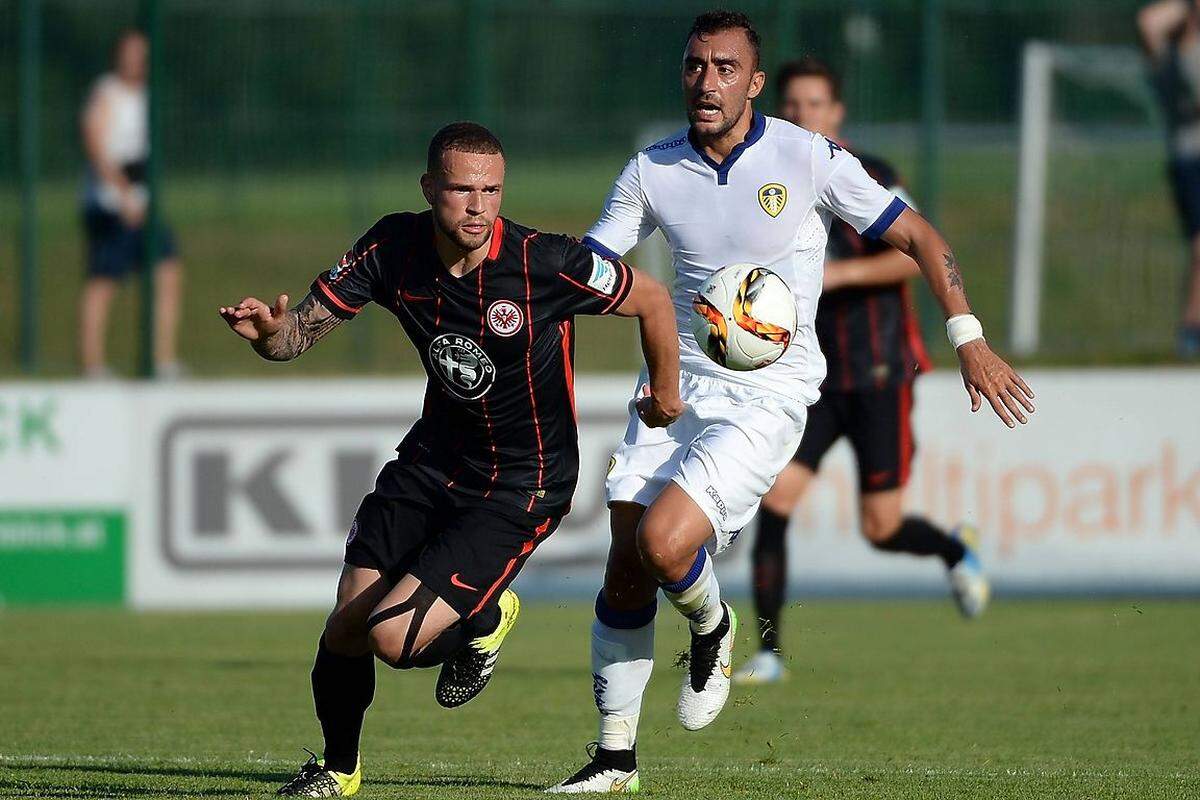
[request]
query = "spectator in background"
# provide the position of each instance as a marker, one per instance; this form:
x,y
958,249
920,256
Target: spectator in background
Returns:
x,y
116,141
1170,34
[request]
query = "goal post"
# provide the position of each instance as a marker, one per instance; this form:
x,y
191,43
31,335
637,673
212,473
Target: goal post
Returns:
x,y
1110,69
1037,80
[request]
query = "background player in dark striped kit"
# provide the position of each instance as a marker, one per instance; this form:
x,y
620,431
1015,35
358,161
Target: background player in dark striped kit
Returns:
x,y
873,350
488,471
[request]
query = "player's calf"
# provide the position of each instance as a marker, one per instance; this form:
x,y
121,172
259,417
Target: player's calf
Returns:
x,y
670,541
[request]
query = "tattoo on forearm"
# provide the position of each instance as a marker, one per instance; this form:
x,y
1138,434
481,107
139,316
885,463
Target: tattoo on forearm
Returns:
x,y
953,272
303,327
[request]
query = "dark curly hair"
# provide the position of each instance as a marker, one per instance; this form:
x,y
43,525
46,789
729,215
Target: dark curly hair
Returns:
x,y
711,22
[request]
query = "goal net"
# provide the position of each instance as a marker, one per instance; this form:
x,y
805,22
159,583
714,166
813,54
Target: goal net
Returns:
x,y
1098,254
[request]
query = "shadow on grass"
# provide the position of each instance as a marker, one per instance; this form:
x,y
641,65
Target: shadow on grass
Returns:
x,y
267,776
25,789
261,776
457,782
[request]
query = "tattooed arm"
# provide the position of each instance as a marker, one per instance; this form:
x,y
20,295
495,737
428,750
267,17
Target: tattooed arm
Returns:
x,y
912,235
985,374
276,333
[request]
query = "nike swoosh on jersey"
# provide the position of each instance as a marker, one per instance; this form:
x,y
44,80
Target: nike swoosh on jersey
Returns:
x,y
454,579
409,297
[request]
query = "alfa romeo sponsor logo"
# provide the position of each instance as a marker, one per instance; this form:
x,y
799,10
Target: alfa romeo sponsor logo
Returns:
x,y
462,365
504,317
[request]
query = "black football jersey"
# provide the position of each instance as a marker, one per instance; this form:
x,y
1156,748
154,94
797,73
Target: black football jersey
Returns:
x,y
869,334
497,345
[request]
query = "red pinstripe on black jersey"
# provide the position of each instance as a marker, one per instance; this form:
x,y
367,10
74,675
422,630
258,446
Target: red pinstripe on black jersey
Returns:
x,y
870,336
496,345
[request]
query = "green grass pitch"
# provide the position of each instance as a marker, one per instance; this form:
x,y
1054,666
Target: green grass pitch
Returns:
x,y
1062,699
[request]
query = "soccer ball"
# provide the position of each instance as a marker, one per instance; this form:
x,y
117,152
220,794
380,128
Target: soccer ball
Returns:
x,y
744,317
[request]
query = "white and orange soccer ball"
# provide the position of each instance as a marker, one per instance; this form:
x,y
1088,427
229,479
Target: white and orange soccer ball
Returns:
x,y
744,317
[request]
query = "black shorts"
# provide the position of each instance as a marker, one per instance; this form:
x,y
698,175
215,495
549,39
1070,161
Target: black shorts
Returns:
x,y
879,426
115,249
1185,185
466,549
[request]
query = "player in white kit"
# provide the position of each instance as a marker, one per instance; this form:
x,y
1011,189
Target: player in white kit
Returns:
x,y
733,187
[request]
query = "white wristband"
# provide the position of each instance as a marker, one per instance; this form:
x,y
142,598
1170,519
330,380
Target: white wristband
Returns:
x,y
963,328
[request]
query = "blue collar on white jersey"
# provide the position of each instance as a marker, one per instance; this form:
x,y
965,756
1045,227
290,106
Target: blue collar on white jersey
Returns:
x,y
757,126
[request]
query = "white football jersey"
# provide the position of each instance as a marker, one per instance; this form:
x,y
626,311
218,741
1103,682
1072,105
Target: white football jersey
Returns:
x,y
769,203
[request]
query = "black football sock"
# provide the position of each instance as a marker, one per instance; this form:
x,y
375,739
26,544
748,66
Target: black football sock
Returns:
x,y
920,537
624,760
343,687
457,636
483,623
769,558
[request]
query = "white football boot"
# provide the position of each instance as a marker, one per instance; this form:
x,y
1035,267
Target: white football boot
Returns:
x,y
968,583
706,680
602,775
766,666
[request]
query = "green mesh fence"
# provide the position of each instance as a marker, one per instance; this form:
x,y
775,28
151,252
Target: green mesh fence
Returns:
x,y
290,125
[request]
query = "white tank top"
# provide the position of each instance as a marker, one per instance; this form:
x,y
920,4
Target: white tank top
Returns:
x,y
126,139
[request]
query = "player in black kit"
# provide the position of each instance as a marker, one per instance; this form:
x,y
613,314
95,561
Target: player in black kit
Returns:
x,y
873,350
488,471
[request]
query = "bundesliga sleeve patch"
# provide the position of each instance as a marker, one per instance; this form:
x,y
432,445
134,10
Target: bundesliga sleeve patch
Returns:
x,y
604,275
338,271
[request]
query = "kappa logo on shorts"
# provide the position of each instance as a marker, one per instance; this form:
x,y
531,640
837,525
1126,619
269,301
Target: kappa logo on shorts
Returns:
x,y
711,491
464,367
504,317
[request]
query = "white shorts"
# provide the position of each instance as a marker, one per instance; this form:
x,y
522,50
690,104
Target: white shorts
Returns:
x,y
725,452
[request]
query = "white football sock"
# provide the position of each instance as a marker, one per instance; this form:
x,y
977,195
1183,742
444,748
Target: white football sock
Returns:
x,y
698,595
622,659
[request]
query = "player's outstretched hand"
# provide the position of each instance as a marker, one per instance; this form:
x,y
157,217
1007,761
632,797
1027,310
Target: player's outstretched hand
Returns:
x,y
986,374
252,319
655,412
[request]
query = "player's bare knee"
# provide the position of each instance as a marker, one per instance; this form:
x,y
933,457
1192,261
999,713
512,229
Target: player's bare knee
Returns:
x,y
395,632
778,502
878,528
388,646
663,550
